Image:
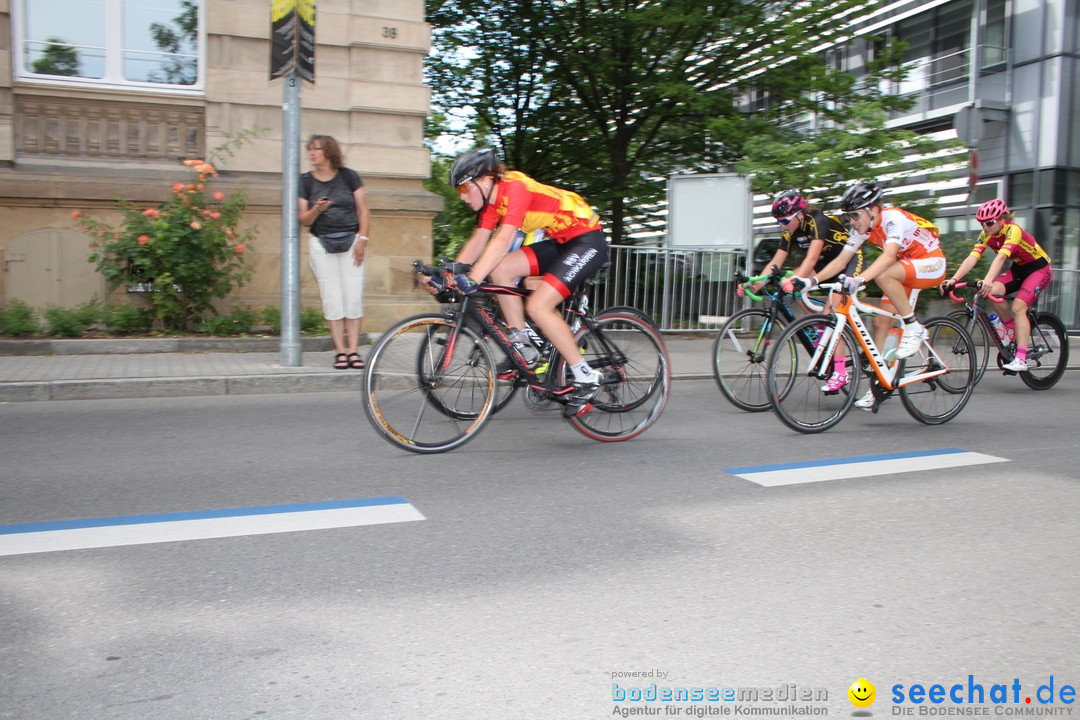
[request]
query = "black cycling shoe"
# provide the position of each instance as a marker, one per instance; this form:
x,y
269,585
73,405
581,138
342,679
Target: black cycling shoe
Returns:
x,y
577,401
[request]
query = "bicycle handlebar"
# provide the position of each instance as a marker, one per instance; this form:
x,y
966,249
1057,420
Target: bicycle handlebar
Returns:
x,y
774,276
978,284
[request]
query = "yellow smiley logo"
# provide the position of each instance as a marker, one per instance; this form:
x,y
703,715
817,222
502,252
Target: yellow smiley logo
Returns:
x,y
862,693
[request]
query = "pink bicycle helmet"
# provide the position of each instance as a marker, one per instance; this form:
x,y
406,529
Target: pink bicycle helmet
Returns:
x,y
991,210
787,204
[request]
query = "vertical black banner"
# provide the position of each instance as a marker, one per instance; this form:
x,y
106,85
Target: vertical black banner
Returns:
x,y
292,41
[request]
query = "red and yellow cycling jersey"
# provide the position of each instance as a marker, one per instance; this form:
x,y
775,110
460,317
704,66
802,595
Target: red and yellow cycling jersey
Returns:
x,y
917,237
1014,243
529,205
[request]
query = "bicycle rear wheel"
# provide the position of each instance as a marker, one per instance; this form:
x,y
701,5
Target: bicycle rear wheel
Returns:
x,y
1048,354
940,399
740,356
979,337
634,361
427,388
795,380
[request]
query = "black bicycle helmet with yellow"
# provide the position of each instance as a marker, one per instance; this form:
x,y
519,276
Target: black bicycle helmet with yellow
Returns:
x,y
475,163
860,195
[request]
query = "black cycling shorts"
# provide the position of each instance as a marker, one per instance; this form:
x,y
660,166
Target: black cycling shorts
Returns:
x,y
564,266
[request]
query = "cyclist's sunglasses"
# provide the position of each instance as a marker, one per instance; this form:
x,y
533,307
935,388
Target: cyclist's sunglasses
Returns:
x,y
785,221
988,223
854,214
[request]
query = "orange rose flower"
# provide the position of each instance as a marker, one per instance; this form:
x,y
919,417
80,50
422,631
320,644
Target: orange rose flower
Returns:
x,y
143,239
219,196
76,214
240,248
196,225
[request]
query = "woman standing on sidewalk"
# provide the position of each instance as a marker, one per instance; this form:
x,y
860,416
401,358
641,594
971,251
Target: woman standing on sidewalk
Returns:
x,y
332,204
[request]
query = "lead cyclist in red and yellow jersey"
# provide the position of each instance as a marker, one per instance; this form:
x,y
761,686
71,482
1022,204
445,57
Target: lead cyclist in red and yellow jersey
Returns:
x,y
1028,276
577,248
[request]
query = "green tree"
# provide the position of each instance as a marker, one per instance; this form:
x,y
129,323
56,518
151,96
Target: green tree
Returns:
x,y
179,37
58,58
608,97
456,220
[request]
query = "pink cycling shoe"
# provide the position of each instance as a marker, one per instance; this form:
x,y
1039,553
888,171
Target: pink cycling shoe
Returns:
x,y
836,383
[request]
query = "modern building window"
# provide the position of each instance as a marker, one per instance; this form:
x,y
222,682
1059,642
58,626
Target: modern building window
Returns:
x,y
152,44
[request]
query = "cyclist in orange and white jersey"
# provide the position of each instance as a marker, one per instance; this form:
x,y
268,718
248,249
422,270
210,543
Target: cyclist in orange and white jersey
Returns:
x,y
911,257
512,201
1028,276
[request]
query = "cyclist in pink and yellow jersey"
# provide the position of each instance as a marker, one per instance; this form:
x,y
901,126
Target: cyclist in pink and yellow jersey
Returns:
x,y
1028,276
512,201
911,257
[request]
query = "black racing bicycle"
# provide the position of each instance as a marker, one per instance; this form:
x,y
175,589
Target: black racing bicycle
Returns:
x,y
743,347
431,379
1047,356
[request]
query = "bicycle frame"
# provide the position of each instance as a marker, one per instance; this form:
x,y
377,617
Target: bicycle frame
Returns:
x,y
775,305
980,316
847,312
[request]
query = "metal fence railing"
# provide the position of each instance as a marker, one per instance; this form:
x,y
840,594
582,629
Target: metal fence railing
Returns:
x,y
1063,298
682,289
693,289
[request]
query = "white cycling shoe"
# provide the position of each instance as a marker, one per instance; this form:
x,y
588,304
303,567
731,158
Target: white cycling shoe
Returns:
x,y
866,402
1016,365
911,342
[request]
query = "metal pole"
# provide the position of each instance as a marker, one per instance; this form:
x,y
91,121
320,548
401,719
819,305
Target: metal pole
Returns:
x,y
290,240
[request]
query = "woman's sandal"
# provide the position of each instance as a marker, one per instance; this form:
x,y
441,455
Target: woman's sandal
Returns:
x,y
355,361
341,361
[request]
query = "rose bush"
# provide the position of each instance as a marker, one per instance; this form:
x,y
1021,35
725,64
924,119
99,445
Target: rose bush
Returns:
x,y
183,254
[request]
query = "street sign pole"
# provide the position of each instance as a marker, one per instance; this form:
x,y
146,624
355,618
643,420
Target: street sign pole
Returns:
x,y
292,56
291,353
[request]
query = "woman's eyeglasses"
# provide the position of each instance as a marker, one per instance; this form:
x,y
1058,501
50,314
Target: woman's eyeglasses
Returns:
x,y
988,223
785,221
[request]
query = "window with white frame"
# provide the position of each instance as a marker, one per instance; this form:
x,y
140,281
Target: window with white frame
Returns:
x,y
152,44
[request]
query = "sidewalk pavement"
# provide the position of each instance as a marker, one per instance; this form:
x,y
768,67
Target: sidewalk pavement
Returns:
x,y
175,367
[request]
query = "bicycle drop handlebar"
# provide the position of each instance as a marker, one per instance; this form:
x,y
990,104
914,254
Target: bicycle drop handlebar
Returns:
x,y
774,276
959,285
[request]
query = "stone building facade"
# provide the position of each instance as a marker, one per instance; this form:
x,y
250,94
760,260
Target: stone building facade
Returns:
x,y
74,142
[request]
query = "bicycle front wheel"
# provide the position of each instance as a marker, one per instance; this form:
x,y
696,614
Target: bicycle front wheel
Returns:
x,y
1048,354
979,337
939,399
796,380
429,385
633,360
740,358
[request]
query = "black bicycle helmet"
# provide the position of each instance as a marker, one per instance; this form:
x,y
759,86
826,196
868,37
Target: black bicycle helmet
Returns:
x,y
860,195
473,164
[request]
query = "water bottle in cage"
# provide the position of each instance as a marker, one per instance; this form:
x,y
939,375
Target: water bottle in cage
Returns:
x,y
999,328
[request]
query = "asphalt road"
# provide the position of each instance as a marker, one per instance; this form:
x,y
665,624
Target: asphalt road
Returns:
x,y
548,566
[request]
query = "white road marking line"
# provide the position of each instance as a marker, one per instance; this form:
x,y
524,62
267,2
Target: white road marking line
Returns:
x,y
866,466
202,525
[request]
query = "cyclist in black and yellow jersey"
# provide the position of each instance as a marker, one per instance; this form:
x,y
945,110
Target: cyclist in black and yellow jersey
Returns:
x,y
823,237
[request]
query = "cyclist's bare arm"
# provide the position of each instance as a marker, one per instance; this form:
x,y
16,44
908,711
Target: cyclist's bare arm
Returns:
x,y
806,268
884,261
836,266
474,246
778,259
961,272
493,253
